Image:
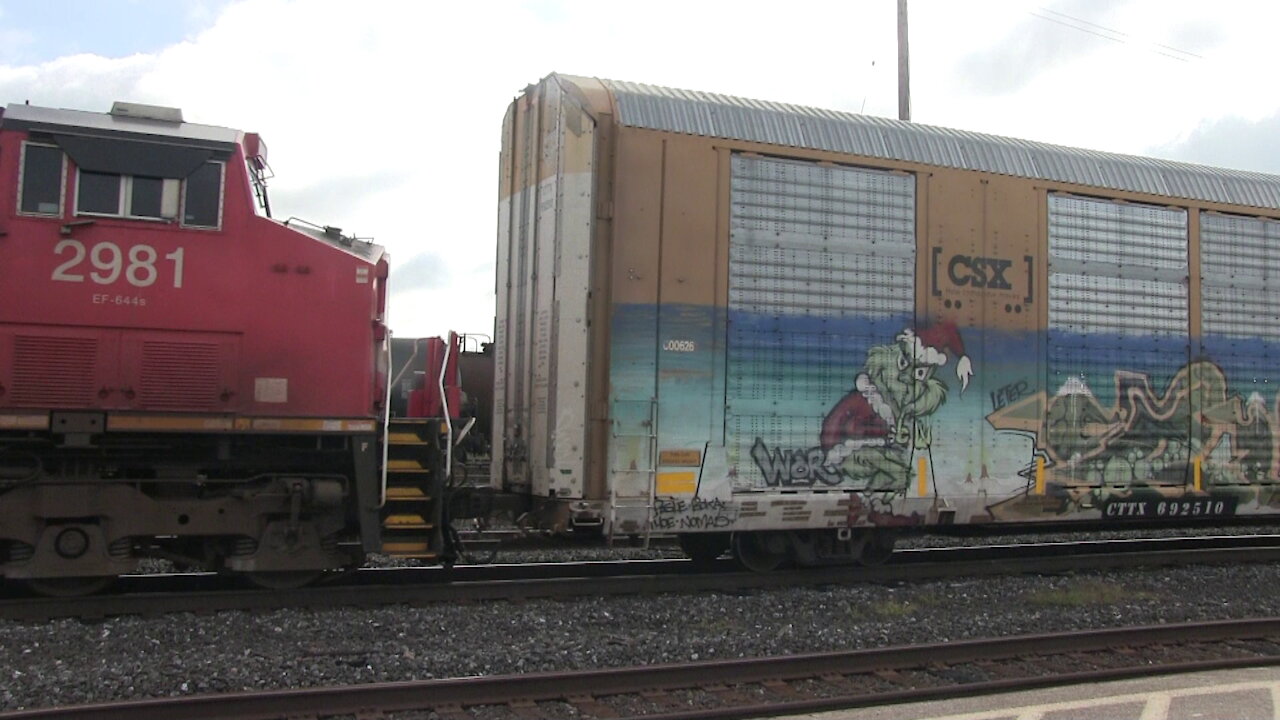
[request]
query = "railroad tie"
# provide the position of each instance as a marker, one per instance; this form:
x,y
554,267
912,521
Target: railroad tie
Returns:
x,y
589,705
781,688
527,710
452,712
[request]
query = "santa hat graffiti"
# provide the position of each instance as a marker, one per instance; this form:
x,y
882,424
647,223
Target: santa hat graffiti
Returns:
x,y
931,345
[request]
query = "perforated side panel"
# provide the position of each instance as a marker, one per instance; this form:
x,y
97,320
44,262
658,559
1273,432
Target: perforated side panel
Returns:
x,y
1117,294
821,267
179,376
1239,259
1240,335
54,371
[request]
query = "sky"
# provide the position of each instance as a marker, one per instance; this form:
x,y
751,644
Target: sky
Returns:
x,y
384,117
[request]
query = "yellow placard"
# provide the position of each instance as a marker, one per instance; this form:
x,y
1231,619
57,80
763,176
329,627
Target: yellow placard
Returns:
x,y
677,483
683,458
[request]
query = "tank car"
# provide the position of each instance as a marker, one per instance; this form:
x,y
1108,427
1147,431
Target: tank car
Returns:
x,y
182,376
800,332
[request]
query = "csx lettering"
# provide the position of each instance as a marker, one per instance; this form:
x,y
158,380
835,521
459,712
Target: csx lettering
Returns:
x,y
979,272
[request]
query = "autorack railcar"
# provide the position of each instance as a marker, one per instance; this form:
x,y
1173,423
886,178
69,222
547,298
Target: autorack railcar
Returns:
x,y
801,330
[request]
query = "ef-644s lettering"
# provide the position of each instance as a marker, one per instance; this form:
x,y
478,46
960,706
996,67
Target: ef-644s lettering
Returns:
x,y
110,262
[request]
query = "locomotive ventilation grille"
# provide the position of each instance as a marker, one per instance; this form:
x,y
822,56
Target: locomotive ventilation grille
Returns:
x,y
179,375
54,371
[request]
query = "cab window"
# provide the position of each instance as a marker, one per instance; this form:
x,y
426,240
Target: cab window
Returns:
x,y
202,198
128,196
40,187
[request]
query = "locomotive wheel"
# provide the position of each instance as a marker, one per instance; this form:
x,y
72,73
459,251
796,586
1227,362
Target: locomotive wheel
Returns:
x,y
704,548
760,552
70,586
282,579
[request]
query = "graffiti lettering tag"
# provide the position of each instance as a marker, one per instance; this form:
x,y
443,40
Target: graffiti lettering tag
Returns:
x,y
801,468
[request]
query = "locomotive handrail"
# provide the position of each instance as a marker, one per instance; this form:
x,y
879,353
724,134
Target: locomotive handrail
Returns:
x,y
462,434
444,404
386,423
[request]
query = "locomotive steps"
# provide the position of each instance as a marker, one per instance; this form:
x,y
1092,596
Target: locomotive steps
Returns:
x,y
412,513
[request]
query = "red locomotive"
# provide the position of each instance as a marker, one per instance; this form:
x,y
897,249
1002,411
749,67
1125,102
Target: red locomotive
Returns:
x,y
182,376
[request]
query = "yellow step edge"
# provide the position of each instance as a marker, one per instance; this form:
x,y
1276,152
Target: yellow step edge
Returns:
x,y
405,438
406,521
407,493
406,466
418,549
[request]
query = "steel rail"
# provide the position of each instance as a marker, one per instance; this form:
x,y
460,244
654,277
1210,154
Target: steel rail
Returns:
x,y
587,688
416,586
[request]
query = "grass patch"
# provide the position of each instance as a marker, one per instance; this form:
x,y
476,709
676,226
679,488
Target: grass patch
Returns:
x,y
928,598
891,608
1085,592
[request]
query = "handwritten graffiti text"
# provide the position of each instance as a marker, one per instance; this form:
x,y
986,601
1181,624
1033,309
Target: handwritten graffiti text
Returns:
x,y
671,513
1010,393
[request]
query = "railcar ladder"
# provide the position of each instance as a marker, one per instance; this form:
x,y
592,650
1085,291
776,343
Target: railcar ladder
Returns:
x,y
413,512
632,487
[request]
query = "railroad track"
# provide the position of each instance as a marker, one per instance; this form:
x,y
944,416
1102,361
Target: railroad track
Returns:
x,y
205,593
751,687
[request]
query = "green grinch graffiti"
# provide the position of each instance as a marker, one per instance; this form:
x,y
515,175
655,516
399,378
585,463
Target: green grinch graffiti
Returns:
x,y
869,435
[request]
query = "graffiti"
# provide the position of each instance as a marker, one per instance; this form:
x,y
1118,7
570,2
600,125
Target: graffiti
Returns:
x,y
1148,437
979,272
1009,394
868,437
674,514
794,468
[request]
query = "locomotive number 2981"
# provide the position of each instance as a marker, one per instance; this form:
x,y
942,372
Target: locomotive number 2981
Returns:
x,y
137,264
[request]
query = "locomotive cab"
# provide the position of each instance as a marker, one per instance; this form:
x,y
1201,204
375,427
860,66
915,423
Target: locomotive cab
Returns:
x,y
181,376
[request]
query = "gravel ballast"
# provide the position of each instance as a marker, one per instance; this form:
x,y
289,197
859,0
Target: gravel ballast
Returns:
x,y
71,661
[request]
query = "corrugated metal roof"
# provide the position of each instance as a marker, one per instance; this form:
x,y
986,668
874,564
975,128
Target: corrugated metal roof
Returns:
x,y
31,117
724,116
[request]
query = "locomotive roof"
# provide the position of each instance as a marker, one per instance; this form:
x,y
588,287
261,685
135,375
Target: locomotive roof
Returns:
x,y
80,122
725,116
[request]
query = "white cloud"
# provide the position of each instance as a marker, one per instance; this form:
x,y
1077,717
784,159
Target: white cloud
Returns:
x,y
384,118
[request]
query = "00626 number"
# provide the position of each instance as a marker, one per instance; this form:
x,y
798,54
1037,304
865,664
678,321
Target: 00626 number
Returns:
x,y
109,262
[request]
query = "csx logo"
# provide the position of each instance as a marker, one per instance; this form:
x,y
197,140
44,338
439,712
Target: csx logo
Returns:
x,y
979,272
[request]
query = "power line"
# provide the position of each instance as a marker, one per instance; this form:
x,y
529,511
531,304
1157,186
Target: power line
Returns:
x,y
1083,22
1107,33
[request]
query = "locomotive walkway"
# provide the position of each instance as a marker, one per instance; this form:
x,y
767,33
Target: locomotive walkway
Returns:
x,y
767,686
205,593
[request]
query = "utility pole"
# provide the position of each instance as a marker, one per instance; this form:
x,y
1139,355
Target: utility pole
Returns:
x,y
904,66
